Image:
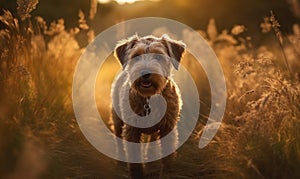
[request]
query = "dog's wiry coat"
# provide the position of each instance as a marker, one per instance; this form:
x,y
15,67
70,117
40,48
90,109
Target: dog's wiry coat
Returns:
x,y
137,55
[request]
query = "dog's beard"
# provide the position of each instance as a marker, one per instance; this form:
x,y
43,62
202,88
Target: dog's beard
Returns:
x,y
150,86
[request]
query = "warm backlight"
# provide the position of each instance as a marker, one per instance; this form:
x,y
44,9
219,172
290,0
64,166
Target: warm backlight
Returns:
x,y
122,1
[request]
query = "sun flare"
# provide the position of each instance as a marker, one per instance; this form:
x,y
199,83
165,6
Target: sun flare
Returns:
x,y
126,1
123,1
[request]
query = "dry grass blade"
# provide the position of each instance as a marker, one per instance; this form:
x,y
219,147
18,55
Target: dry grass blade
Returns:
x,y
212,30
275,26
55,27
93,8
91,35
25,7
81,21
9,21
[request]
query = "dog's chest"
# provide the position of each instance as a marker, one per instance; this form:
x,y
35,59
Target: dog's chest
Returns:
x,y
168,120
139,105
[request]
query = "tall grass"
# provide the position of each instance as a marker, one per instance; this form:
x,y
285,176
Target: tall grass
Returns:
x,y
259,137
37,63
39,137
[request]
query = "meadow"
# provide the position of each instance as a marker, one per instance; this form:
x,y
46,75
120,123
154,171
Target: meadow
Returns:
x,y
40,138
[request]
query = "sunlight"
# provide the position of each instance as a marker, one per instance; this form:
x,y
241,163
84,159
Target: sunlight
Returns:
x,y
126,1
123,1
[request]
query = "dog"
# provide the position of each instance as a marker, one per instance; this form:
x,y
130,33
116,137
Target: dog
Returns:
x,y
147,64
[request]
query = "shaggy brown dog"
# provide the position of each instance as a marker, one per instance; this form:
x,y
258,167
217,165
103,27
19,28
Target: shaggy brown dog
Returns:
x,y
147,63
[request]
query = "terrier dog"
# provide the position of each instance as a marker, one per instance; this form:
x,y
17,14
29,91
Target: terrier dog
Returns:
x,y
147,64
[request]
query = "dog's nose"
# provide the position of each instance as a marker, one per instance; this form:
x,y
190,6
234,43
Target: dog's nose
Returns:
x,y
145,74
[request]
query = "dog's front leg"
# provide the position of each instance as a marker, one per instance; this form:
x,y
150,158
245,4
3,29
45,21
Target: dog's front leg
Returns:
x,y
133,152
166,147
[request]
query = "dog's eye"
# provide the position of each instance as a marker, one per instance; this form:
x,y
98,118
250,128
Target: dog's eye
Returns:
x,y
158,57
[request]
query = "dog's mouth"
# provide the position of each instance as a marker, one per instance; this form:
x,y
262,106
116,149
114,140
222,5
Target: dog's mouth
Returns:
x,y
146,84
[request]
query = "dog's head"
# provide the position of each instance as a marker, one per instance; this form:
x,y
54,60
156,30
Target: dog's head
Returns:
x,y
148,61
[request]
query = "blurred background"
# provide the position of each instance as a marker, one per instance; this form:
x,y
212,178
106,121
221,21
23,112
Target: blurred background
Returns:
x,y
257,44
194,13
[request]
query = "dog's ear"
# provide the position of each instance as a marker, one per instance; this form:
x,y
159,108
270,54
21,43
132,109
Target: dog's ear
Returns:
x,y
120,53
175,48
122,49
